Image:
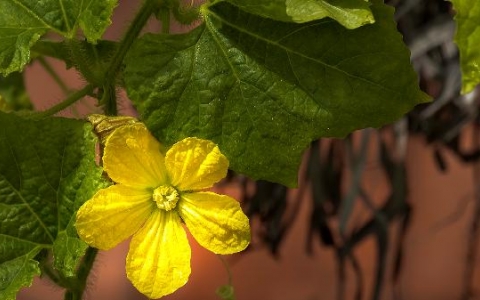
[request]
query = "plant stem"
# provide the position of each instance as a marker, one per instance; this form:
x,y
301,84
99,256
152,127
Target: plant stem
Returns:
x,y
165,19
132,33
82,275
88,89
141,18
227,268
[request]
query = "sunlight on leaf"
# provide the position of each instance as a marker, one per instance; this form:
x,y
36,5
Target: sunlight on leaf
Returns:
x,y
23,22
350,13
468,41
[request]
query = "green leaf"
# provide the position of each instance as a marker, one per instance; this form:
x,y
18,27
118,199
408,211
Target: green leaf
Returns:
x,y
46,173
468,41
13,95
263,90
350,13
226,292
68,250
23,22
17,272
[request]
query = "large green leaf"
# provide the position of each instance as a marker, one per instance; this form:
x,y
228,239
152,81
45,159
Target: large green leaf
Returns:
x,y
47,170
350,13
22,22
263,90
468,41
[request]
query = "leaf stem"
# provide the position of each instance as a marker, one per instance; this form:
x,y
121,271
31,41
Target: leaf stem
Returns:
x,y
72,98
227,268
82,275
164,15
141,18
132,33
114,66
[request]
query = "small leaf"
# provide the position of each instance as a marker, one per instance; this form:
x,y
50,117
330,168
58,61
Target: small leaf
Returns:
x,y
46,173
23,22
263,90
468,41
226,292
350,13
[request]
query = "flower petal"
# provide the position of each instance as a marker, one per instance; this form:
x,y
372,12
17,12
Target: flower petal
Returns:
x,y
195,164
133,157
158,262
216,221
112,215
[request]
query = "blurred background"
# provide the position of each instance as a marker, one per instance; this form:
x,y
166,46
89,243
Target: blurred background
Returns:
x,y
389,214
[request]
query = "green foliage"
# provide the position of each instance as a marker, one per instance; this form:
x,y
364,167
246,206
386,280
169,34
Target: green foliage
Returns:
x,y
468,41
23,22
263,90
262,78
350,13
46,173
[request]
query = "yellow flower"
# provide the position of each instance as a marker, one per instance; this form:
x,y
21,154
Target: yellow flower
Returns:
x,y
153,195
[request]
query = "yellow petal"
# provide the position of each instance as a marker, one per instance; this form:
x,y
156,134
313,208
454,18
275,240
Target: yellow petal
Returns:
x,y
216,221
195,164
158,262
112,215
132,157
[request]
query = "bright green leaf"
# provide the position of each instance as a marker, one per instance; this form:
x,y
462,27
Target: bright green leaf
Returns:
x,y
68,250
263,90
46,173
350,13
13,95
17,272
23,22
468,41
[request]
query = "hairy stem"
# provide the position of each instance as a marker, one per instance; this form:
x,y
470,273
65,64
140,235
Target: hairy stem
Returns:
x,y
76,292
141,18
131,35
109,84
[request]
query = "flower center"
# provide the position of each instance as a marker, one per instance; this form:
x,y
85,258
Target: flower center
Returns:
x,y
166,197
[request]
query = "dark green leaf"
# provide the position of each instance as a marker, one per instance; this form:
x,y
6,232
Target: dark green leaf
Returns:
x,y
468,41
350,13
23,22
263,90
46,173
